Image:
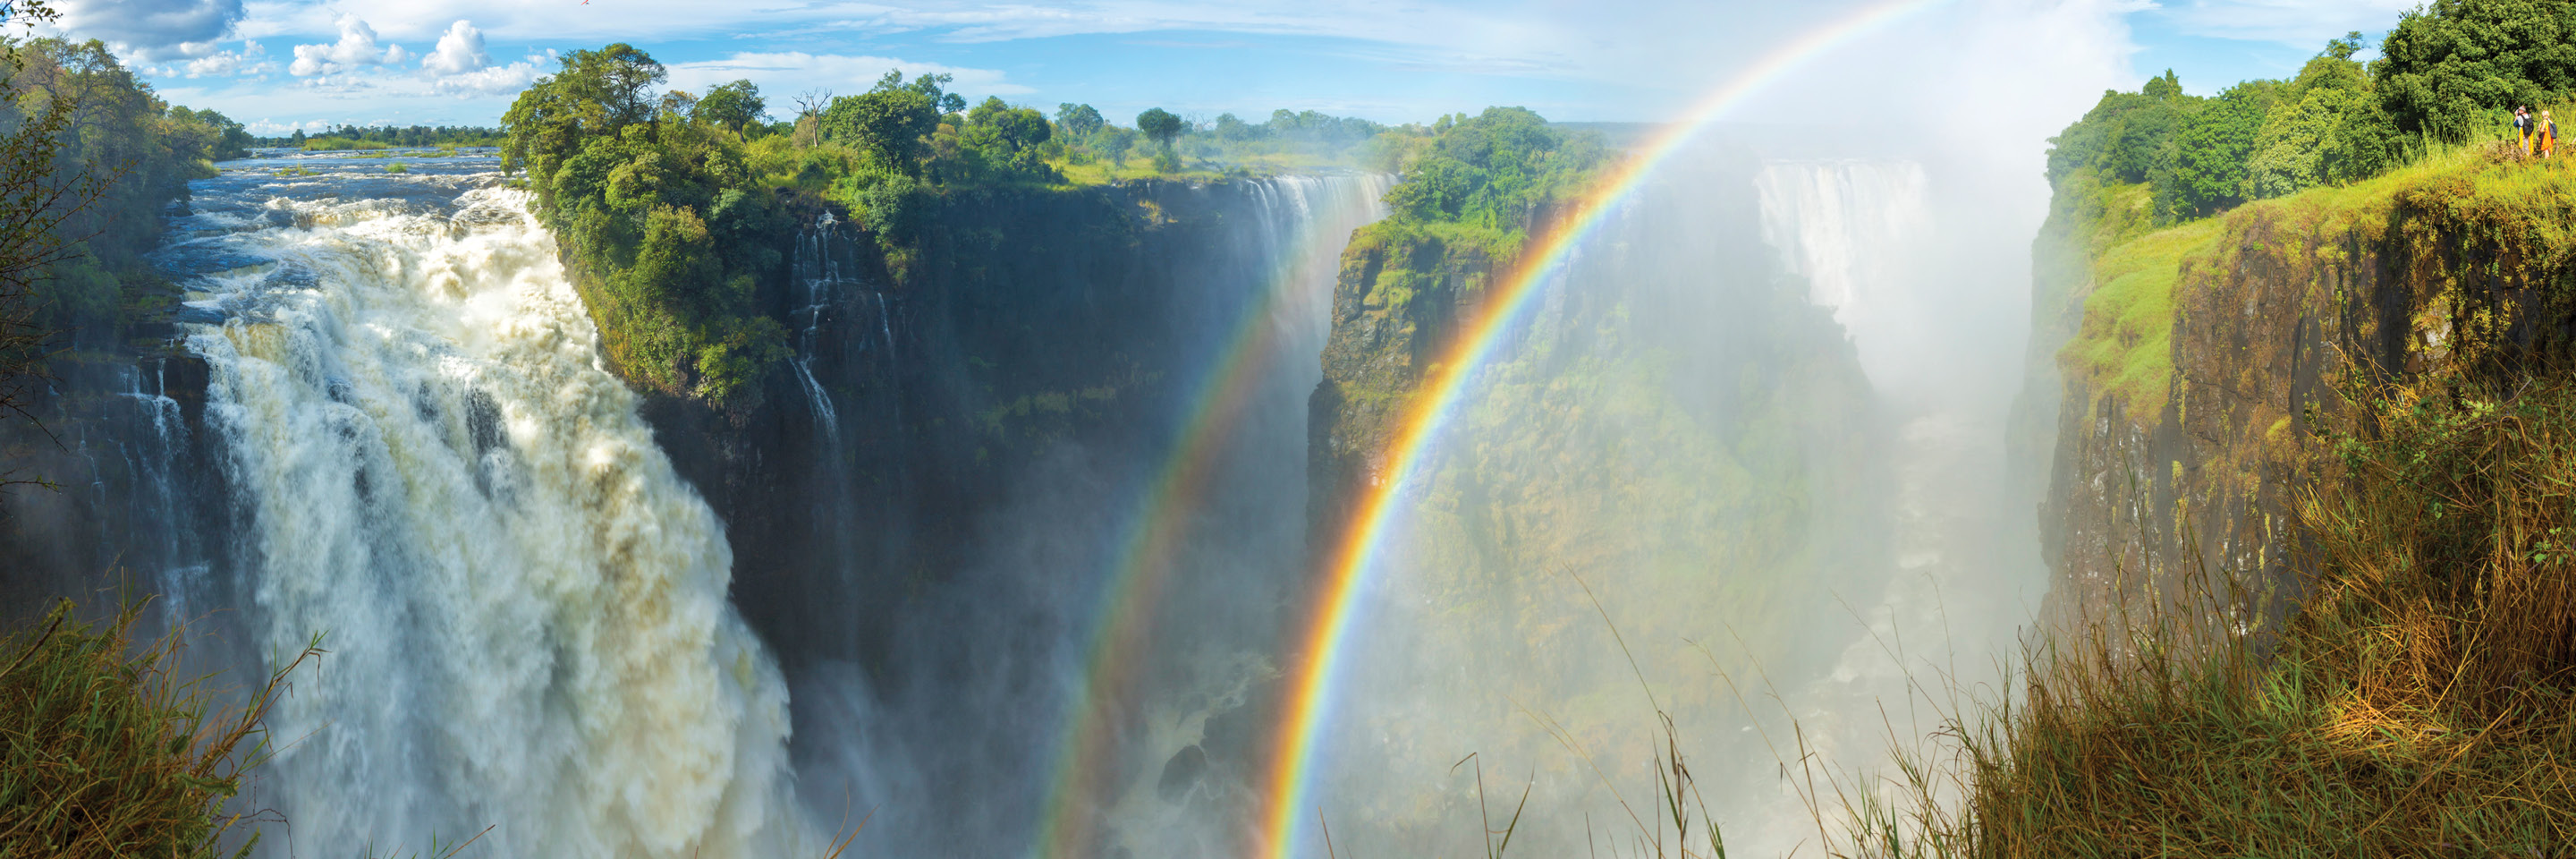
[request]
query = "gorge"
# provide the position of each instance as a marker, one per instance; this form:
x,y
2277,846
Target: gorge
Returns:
x,y
910,475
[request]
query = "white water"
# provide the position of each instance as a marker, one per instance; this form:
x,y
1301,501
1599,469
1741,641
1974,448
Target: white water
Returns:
x,y
525,607
1856,231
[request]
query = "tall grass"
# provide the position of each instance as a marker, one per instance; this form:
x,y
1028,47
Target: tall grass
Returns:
x,y
105,753
2421,701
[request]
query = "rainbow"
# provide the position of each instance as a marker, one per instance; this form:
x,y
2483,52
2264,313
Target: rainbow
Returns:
x,y
1145,561
1323,637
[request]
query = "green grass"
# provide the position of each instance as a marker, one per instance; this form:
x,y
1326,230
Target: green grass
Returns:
x,y
2126,343
105,753
397,167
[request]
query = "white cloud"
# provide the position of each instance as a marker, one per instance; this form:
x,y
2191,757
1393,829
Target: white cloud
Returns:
x,y
149,30
781,73
460,50
356,47
251,59
494,80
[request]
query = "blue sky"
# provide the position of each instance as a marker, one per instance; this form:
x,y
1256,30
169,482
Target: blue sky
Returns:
x,y
277,64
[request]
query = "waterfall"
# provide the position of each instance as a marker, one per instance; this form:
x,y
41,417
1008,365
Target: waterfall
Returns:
x,y
1859,232
524,606
1833,221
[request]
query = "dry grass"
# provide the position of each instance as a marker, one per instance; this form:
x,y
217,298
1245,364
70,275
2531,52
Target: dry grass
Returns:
x,y
105,753
2421,702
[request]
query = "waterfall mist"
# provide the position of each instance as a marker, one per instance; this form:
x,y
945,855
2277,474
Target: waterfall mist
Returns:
x,y
948,721
1762,417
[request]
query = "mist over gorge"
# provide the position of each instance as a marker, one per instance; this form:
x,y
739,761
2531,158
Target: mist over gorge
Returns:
x,y
1885,427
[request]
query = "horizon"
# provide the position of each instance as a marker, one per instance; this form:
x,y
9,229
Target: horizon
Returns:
x,y
282,65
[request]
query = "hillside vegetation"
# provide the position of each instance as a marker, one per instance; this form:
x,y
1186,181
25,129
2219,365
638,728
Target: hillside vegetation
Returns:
x,y
677,210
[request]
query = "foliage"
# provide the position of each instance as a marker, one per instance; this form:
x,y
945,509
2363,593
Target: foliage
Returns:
x,y
384,137
104,753
1077,121
735,106
2256,140
1470,194
90,194
2208,169
2327,130
893,121
2449,68
1161,127
1495,171
2125,135
999,143
668,241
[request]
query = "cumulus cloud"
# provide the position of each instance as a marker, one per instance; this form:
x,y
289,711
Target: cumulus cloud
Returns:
x,y
459,51
251,59
494,80
784,71
147,30
357,47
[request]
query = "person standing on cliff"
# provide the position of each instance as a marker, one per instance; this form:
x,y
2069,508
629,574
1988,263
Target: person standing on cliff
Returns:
x,y
2545,130
2522,130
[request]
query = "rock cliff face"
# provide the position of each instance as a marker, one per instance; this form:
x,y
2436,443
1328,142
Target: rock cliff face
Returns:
x,y
1382,343
133,488
2441,275
1026,330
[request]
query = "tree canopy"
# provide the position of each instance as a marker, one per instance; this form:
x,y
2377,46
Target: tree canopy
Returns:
x,y
2448,65
735,105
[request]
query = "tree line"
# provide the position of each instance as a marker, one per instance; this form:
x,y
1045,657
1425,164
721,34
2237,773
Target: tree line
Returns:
x,y
2449,73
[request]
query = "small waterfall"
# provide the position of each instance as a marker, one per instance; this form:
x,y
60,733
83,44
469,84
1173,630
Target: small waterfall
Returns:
x,y
525,606
820,272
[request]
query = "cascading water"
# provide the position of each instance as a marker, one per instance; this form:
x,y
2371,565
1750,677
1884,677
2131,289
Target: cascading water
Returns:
x,y
820,272
524,606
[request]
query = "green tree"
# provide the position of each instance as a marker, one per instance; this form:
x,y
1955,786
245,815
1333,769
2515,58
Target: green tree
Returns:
x,y
2447,65
2208,172
891,121
735,106
2307,140
1162,127
619,78
1233,129
2126,137
1077,121
1003,141
1115,143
